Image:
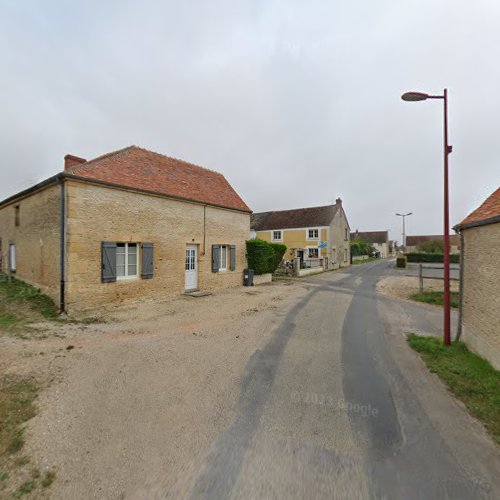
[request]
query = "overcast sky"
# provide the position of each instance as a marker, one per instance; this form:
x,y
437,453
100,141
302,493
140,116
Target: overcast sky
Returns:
x,y
295,102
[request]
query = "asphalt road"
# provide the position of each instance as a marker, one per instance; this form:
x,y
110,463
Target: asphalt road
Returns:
x,y
337,406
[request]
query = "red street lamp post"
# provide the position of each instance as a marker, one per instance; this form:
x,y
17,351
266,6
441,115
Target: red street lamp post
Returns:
x,y
420,96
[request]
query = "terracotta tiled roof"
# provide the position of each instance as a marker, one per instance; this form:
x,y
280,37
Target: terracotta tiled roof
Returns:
x,y
489,210
371,236
413,241
139,168
297,218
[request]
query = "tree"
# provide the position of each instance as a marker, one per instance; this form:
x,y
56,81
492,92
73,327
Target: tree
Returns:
x,y
430,246
361,247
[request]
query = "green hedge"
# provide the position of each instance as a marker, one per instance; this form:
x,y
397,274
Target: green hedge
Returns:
x,y
279,250
264,257
401,261
431,257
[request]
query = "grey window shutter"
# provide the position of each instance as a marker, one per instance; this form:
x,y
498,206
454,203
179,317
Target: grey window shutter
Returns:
x,y
147,267
108,263
233,257
215,258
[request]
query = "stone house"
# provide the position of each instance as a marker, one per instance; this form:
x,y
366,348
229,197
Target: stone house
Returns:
x,y
378,239
131,224
480,279
412,242
317,235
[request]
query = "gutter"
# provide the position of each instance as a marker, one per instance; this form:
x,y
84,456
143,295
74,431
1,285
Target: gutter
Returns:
x,y
31,190
484,222
90,180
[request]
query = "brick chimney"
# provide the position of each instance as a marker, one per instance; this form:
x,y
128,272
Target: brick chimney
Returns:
x,y
338,201
71,161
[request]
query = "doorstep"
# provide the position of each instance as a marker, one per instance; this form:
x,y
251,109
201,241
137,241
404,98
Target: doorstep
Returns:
x,y
197,293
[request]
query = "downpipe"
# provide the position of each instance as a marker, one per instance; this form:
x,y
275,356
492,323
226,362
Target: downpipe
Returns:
x,y
62,249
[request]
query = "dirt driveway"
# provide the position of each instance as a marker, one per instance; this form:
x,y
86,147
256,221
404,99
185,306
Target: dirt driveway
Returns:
x,y
130,402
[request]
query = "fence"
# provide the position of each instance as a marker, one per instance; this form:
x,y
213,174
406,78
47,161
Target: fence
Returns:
x,y
421,275
311,263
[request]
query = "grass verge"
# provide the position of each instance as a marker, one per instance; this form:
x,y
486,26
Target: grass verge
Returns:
x,y
468,376
17,295
17,406
436,298
364,261
22,304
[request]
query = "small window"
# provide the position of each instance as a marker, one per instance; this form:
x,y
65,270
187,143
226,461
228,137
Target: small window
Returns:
x,y
312,234
126,260
17,215
345,255
223,258
345,236
12,257
277,236
312,253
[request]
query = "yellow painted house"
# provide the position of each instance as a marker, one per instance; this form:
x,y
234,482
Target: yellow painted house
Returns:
x,y
318,236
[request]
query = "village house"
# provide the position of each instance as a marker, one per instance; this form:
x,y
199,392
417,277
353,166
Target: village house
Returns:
x,y
317,236
131,224
378,239
480,279
412,242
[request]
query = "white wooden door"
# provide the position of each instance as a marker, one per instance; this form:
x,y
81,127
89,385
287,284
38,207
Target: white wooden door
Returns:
x,y
191,267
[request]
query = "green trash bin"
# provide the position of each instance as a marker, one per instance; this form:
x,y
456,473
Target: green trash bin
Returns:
x,y
248,277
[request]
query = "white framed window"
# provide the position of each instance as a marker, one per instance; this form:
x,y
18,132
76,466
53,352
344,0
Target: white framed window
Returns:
x,y
313,234
277,235
126,260
313,253
223,257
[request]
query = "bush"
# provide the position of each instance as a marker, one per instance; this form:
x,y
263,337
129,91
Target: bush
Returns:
x,y
431,257
279,250
264,257
431,246
401,261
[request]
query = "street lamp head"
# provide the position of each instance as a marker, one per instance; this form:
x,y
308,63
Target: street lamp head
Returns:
x,y
414,96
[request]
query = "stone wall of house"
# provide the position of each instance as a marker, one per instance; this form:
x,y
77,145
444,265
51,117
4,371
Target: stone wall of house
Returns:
x,y
338,241
36,238
481,291
98,213
383,248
